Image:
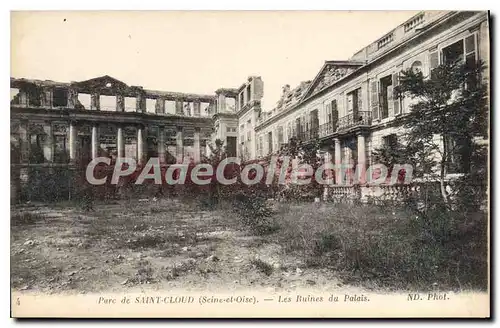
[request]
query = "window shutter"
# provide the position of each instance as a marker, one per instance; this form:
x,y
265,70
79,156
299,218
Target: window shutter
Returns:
x,y
355,103
433,60
334,104
470,50
397,100
335,118
302,127
334,114
390,101
340,103
276,139
470,44
328,112
360,99
374,99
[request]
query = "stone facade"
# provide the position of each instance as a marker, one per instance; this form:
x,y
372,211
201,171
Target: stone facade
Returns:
x,y
349,106
52,124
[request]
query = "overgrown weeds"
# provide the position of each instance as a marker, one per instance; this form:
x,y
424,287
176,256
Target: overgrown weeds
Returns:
x,y
255,212
26,218
262,266
389,246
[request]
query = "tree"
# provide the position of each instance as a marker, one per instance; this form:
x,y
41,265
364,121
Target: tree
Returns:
x,y
217,154
304,153
451,106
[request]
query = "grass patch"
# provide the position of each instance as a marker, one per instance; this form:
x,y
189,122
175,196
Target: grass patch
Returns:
x,y
388,246
262,266
146,241
26,218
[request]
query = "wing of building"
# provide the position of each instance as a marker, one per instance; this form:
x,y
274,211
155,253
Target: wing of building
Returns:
x,y
349,105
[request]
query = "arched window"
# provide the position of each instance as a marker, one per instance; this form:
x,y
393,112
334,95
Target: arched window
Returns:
x,y
416,67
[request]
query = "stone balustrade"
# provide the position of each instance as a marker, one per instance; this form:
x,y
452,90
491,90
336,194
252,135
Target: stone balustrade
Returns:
x,y
382,194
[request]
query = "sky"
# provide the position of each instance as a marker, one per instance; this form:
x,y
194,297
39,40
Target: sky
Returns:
x,y
191,51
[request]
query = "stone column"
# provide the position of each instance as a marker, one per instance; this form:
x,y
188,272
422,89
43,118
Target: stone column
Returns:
x,y
94,101
23,141
179,107
48,144
72,97
361,169
197,145
221,103
140,103
338,160
338,152
329,178
161,144
179,145
120,103
95,141
160,106
23,98
73,136
46,97
120,142
196,108
140,145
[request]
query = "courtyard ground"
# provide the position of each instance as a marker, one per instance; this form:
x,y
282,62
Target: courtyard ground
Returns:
x,y
150,245
166,244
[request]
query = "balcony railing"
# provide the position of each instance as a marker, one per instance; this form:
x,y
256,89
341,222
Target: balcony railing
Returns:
x,y
351,120
308,135
327,129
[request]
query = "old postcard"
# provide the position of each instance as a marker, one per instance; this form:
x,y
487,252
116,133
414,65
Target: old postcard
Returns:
x,y
233,164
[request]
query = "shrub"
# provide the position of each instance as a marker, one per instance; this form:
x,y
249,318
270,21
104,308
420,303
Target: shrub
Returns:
x,y
254,212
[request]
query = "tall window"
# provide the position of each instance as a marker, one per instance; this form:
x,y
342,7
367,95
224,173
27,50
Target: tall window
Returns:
x,y
107,103
453,53
60,97
390,141
463,50
281,138
334,114
260,145
302,126
298,128
390,105
350,102
249,92
269,142
314,125
385,93
354,101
